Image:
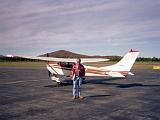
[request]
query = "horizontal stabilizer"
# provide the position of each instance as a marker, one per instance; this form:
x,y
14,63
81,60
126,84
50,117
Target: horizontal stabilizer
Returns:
x,y
116,74
130,73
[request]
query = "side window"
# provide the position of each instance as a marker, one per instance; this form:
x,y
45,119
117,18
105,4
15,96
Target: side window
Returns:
x,y
67,65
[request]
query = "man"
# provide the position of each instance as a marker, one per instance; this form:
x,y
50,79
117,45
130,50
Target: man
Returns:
x,y
77,74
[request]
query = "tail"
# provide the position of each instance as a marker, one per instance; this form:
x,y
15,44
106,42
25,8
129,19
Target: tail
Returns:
x,y
125,64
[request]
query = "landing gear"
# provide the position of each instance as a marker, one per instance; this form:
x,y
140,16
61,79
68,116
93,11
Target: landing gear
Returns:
x,y
59,83
55,79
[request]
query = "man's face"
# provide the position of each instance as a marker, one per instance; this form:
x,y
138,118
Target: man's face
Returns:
x,y
78,61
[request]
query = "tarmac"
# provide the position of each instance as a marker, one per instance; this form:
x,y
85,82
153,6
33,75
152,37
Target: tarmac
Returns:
x,y
29,94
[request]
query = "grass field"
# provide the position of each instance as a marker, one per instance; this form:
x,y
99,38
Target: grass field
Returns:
x,y
137,65
23,64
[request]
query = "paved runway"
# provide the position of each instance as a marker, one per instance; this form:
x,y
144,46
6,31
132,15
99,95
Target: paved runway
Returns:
x,y
28,94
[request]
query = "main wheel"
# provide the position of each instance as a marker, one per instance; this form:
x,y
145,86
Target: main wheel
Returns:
x,y
59,83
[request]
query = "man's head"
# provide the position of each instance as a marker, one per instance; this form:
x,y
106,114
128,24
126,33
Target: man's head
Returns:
x,y
78,60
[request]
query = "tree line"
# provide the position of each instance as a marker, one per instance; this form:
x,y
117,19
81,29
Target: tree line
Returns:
x,y
114,58
16,59
153,59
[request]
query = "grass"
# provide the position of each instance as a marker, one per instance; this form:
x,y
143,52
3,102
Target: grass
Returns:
x,y
137,65
145,65
23,64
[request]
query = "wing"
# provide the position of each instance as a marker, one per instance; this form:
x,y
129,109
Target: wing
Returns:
x,y
83,60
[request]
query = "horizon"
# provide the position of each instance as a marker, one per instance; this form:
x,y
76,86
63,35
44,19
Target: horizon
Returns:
x,y
79,54
90,27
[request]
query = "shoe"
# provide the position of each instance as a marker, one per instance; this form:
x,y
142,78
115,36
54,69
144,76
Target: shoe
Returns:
x,y
74,97
81,97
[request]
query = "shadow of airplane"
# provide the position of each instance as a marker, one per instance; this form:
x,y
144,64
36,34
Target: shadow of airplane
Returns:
x,y
65,83
120,85
100,80
97,96
135,85
69,82
104,82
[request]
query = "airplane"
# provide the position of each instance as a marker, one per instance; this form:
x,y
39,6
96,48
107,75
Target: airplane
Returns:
x,y
60,68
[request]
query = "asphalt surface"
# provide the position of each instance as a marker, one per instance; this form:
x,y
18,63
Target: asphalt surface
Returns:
x,y
28,94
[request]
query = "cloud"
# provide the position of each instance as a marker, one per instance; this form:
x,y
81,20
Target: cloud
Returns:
x,y
49,24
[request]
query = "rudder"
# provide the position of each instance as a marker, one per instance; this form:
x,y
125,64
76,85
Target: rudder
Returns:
x,y
126,63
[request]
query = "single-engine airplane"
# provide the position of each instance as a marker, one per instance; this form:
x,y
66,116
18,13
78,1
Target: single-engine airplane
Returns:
x,y
60,68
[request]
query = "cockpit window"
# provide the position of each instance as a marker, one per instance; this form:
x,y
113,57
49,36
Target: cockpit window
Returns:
x,y
66,64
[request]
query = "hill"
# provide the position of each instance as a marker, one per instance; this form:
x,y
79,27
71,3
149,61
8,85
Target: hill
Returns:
x,y
65,54
68,54
1,56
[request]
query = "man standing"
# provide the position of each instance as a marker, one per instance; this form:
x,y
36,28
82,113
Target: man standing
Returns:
x,y
77,74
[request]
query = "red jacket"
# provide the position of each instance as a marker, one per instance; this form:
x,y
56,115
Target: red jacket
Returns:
x,y
81,71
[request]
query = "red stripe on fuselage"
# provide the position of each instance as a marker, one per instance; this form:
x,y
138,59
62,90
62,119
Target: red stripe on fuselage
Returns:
x,y
54,64
94,71
105,72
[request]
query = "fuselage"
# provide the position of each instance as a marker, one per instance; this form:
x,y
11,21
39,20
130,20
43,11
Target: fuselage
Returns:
x,y
64,69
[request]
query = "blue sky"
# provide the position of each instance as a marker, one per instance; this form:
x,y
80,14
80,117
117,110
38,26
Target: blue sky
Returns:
x,y
94,27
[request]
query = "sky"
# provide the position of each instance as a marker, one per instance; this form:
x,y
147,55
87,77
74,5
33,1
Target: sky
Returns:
x,y
93,27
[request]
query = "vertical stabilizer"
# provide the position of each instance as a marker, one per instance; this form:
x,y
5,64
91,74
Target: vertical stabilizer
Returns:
x,y
126,63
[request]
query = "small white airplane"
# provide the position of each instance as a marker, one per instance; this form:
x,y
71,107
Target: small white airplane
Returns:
x,y
60,68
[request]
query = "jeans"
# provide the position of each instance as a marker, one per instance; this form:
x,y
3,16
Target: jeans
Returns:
x,y
77,86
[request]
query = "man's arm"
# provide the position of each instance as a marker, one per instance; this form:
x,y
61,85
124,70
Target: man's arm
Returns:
x,y
72,74
84,71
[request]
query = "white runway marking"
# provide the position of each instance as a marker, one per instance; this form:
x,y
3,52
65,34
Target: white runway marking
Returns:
x,y
14,82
